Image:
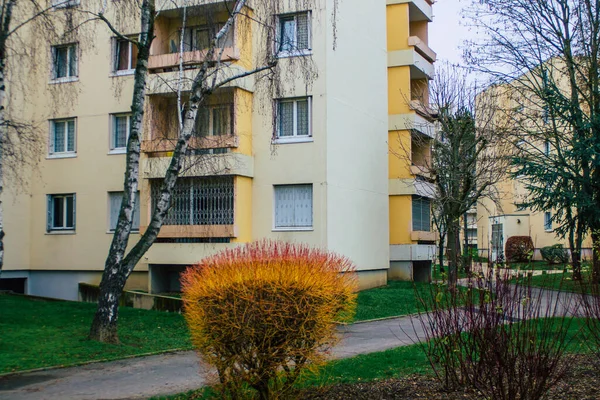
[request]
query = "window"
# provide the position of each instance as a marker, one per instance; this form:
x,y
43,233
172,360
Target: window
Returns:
x,y
293,206
200,37
61,212
121,124
125,56
114,207
62,137
548,221
294,34
64,3
421,214
64,62
294,119
214,121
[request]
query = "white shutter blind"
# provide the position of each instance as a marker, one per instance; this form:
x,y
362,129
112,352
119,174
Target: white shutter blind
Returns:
x,y
293,206
303,206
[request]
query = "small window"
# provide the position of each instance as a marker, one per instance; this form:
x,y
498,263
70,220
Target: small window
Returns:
x,y
61,212
125,56
62,137
293,206
294,118
214,121
64,59
294,35
121,124
548,221
421,214
114,207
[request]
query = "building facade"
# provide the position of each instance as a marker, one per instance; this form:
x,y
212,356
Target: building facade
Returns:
x,y
326,172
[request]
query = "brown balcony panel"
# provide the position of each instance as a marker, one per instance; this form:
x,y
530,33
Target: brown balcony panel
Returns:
x,y
194,231
422,109
424,236
422,48
169,62
420,170
209,142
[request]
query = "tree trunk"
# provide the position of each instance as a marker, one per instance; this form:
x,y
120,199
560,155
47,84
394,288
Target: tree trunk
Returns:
x,y
114,277
595,256
466,254
441,253
453,251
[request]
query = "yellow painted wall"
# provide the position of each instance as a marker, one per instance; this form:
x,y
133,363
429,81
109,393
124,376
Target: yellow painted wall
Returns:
x,y
243,120
400,219
243,209
399,154
398,26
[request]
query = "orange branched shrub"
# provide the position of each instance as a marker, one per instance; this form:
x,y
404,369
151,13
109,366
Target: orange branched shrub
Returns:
x,y
266,311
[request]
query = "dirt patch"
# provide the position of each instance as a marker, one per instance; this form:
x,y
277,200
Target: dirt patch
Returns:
x,y
581,382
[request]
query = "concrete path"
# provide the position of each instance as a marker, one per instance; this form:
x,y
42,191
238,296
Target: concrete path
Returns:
x,y
140,378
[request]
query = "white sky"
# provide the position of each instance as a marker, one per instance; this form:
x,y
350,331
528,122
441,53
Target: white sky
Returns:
x,y
447,32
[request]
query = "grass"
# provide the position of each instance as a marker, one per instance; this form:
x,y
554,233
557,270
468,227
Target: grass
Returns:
x,y
396,299
40,333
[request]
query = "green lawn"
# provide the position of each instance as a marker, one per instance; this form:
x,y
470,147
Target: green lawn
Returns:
x,y
38,333
395,299
561,281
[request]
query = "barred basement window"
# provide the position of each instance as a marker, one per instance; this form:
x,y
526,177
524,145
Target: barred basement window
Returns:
x,y
421,214
198,201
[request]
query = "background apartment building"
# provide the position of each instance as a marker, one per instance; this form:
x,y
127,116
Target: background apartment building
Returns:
x,y
318,175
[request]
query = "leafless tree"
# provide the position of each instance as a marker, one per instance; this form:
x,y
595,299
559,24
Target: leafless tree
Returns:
x,y
465,164
545,53
192,88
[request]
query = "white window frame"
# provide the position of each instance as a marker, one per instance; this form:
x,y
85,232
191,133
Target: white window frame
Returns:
x,y
53,55
294,52
51,138
295,138
113,132
115,50
293,228
50,228
137,209
548,221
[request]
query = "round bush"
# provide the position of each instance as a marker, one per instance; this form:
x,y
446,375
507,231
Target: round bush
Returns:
x,y
519,249
555,254
263,312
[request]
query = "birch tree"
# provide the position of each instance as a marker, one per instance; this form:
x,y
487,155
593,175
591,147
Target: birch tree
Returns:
x,y
211,75
546,53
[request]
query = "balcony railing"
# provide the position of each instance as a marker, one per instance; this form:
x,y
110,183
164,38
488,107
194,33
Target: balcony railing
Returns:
x,y
169,62
161,145
422,48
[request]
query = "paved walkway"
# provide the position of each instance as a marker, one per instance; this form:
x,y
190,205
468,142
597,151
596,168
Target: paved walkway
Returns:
x,y
140,378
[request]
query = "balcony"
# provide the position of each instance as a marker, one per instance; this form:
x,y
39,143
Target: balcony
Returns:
x,y
200,208
421,170
420,10
166,145
422,48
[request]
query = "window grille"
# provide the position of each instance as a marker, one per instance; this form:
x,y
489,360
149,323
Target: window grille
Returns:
x,y
199,201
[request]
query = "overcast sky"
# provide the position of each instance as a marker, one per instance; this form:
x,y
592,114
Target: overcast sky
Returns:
x,y
447,32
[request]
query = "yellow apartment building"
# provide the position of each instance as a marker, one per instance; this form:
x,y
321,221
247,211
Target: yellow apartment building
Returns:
x,y
499,219
326,172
